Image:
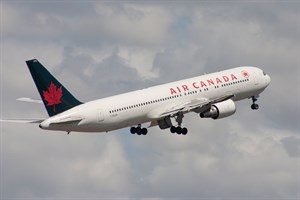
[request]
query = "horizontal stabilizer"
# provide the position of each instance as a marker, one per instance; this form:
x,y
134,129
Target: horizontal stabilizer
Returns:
x,y
25,121
30,100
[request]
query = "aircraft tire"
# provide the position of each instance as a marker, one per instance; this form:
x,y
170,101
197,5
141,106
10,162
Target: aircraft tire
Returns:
x,y
144,131
132,130
178,130
173,129
184,131
254,106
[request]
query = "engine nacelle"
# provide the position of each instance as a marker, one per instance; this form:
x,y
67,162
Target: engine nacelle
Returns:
x,y
220,110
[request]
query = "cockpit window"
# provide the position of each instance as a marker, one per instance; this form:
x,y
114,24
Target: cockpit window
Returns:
x,y
264,73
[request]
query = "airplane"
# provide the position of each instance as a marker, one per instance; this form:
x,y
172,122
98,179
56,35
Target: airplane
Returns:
x,y
209,96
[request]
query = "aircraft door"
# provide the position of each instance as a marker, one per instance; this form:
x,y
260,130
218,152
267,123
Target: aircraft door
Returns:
x,y
100,116
256,78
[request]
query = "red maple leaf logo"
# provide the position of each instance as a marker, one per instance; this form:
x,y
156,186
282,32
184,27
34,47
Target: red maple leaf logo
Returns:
x,y
245,74
53,96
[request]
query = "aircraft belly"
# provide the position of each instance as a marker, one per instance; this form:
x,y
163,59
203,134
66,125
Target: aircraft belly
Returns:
x,y
121,121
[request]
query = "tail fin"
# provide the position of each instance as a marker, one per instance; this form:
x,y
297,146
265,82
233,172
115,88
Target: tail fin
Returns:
x,y
55,96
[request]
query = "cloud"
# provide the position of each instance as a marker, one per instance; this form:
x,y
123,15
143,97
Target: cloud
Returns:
x,y
67,166
99,24
215,161
146,25
291,145
111,75
97,49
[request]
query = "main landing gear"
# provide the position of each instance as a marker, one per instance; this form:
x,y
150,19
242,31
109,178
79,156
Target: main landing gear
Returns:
x,y
254,106
138,130
178,129
164,124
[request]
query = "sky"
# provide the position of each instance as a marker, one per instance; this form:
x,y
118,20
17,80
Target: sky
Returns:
x,y
102,48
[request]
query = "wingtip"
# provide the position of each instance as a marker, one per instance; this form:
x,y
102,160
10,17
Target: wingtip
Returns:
x,y
32,60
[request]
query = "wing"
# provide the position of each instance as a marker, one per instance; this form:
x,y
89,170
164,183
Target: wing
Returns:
x,y
196,105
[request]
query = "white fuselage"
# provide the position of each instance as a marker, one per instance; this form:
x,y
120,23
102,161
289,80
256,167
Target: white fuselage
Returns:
x,y
137,107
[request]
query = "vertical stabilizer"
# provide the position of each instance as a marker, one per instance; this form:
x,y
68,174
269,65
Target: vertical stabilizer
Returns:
x,y
55,96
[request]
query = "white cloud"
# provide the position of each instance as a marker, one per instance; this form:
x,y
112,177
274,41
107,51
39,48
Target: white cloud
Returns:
x,y
221,161
129,22
38,164
141,59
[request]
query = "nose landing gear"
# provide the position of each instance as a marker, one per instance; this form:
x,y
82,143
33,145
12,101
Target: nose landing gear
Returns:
x,y
254,106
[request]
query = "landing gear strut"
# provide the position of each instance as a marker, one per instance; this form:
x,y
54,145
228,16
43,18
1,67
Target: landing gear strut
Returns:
x,y
178,129
138,130
254,106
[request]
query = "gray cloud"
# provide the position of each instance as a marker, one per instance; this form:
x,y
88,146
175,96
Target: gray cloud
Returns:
x,y
110,76
99,49
292,145
92,25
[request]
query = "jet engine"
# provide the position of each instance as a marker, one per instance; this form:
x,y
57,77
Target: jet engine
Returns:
x,y
220,110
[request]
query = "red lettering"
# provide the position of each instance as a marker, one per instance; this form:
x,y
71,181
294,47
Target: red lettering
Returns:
x,y
202,84
225,78
210,82
185,87
178,89
233,77
195,85
173,91
218,80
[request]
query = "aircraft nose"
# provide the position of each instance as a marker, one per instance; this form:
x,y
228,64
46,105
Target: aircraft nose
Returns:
x,y
268,79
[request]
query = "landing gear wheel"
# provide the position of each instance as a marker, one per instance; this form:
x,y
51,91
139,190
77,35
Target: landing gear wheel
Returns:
x,y
173,129
184,131
178,130
132,130
144,131
254,106
138,130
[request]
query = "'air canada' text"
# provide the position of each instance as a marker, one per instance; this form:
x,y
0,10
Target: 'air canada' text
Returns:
x,y
203,84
